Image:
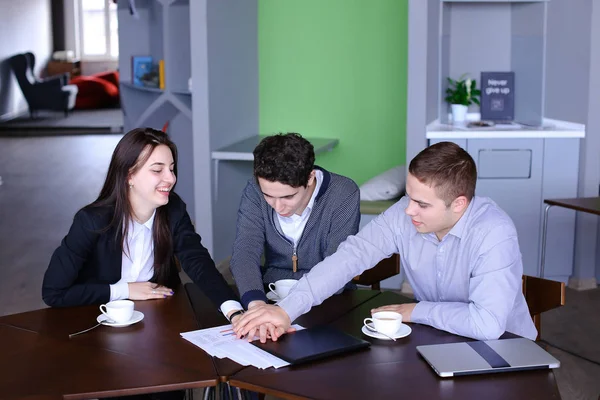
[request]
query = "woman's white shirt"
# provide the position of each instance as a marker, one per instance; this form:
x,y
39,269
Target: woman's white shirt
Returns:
x,y
137,263
137,260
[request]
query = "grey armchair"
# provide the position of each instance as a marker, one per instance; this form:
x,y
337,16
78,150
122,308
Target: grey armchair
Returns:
x,y
48,94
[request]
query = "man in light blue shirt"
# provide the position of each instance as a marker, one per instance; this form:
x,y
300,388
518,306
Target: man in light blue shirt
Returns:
x,y
460,254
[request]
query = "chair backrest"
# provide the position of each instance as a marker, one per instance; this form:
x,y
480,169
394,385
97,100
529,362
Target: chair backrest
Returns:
x,y
20,65
542,295
30,67
47,94
384,269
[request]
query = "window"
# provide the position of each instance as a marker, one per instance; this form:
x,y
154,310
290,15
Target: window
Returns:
x,y
98,30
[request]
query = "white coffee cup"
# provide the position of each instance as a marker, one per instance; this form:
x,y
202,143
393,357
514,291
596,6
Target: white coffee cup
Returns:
x,y
386,322
282,287
119,310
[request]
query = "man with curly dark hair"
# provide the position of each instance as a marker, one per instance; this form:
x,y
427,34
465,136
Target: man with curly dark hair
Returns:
x,y
292,215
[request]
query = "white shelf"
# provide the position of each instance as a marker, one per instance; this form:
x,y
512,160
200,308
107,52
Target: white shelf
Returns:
x,y
242,150
141,88
550,128
182,92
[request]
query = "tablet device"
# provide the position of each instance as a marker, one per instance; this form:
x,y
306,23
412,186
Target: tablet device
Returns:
x,y
312,344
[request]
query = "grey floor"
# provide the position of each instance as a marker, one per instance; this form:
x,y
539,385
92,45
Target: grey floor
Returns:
x,y
45,180
106,120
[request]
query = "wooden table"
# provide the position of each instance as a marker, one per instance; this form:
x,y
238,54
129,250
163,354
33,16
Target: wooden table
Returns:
x,y
40,362
38,358
390,370
331,309
589,205
585,204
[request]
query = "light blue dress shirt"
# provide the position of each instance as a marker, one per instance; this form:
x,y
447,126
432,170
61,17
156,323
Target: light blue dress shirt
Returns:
x,y
469,283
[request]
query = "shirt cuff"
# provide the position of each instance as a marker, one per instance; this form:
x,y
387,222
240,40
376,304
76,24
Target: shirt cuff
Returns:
x,y
420,314
294,306
119,291
253,295
230,305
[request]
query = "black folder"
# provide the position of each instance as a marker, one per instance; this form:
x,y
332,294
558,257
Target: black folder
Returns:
x,y
312,344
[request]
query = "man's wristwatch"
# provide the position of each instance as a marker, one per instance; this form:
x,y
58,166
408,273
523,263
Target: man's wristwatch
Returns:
x,y
238,312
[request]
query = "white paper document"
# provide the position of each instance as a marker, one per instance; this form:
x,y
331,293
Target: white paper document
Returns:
x,y
221,342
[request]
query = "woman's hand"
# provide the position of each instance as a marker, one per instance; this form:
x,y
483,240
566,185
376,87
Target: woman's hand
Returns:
x,y
269,320
148,291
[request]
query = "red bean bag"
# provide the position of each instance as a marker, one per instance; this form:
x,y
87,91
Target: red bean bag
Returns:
x,y
110,76
97,91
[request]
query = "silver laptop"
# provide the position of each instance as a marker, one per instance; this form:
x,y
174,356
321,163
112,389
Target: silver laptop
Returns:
x,y
479,357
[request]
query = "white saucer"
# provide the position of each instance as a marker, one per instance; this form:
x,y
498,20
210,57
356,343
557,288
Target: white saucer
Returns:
x,y
135,318
272,296
404,330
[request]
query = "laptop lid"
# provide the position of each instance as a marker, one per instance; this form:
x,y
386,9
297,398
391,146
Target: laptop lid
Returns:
x,y
312,344
467,358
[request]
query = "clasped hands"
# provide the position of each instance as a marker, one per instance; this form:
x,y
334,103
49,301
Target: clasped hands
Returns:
x,y
266,320
271,322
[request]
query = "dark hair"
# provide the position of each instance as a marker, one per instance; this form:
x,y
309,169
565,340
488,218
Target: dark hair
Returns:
x,y
132,151
286,158
448,168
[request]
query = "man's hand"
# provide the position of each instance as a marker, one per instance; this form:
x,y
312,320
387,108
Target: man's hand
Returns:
x,y
264,331
268,319
255,303
147,291
404,309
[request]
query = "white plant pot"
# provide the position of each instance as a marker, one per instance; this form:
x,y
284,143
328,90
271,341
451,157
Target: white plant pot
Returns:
x,y
459,113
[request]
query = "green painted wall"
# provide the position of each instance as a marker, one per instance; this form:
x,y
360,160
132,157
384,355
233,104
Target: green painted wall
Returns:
x,y
337,68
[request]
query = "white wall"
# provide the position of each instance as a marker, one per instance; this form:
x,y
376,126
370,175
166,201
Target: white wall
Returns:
x,y
94,67
25,25
592,141
71,9
572,94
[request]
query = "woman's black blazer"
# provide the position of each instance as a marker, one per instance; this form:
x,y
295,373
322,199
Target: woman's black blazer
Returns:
x,y
89,259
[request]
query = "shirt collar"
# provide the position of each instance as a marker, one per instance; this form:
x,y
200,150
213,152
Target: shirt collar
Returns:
x,y
318,183
458,229
150,223
135,227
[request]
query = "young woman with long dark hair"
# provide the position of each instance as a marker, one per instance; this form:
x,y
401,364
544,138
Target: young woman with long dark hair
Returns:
x,y
125,244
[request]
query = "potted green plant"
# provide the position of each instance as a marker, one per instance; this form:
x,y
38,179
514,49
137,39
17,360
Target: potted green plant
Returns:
x,y
460,94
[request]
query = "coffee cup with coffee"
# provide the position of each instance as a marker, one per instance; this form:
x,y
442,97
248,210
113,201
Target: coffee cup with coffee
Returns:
x,y
385,322
119,311
282,287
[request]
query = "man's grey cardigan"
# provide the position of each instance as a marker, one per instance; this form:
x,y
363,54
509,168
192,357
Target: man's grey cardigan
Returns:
x,y
335,215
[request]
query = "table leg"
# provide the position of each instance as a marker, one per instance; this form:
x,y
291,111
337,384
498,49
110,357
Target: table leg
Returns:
x,y
229,390
544,237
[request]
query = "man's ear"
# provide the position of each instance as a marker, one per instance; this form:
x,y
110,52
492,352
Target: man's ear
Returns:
x,y
460,204
311,178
